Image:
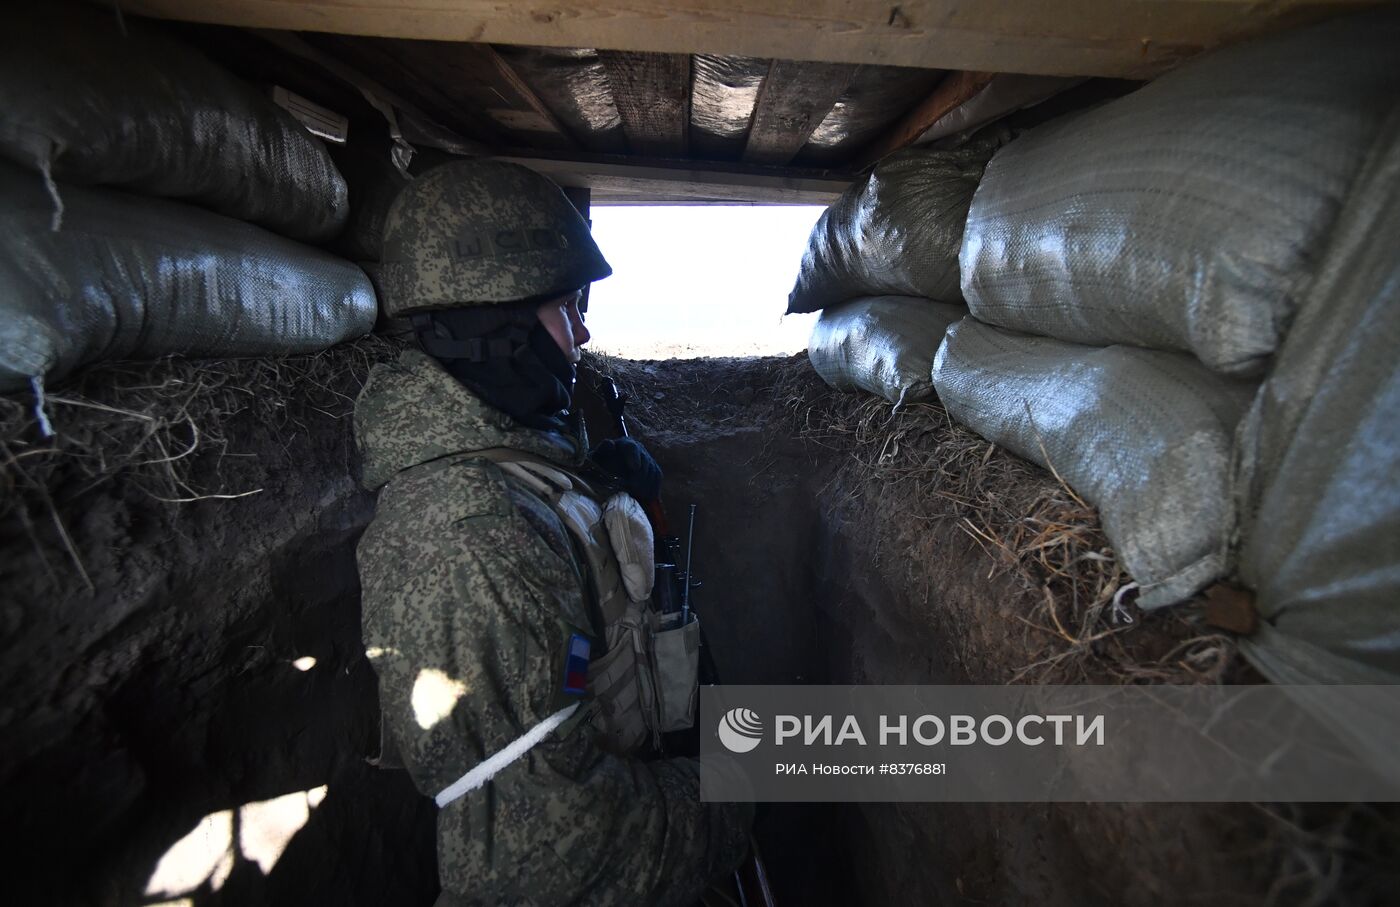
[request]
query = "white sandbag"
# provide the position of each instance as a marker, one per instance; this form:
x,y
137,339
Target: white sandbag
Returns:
x,y
884,345
1189,214
1145,436
897,231
1320,451
130,277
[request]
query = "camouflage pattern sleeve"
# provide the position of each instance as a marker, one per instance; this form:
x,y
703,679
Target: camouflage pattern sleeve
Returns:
x,y
467,613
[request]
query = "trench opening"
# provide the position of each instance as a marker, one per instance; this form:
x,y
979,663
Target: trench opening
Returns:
x,y
699,280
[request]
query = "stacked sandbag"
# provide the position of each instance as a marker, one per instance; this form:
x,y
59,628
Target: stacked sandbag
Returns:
x,y
1143,435
135,277
1190,214
895,232
91,102
883,344
375,181
1320,484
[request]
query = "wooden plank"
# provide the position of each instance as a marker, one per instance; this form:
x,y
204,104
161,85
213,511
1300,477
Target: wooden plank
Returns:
x,y
294,45
507,75
956,89
793,101
652,93
615,181
1135,39
477,81
374,59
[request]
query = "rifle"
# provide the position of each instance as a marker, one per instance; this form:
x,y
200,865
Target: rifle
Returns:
x,y
671,591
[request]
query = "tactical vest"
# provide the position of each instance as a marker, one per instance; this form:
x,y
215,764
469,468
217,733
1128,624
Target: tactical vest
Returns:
x,y
613,545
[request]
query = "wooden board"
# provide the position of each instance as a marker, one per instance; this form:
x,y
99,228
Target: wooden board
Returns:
x,y
618,182
956,88
793,101
476,78
374,57
334,66
465,86
652,93
1125,38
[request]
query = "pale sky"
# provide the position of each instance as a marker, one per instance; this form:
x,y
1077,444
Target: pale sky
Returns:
x,y
699,280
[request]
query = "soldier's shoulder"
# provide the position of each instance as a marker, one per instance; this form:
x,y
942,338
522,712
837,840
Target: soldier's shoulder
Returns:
x,y
450,491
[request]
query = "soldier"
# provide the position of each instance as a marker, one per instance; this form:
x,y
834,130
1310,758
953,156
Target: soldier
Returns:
x,y
503,603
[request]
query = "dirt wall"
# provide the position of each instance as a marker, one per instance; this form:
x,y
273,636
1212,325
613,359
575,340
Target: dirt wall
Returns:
x,y
820,566
171,689
169,700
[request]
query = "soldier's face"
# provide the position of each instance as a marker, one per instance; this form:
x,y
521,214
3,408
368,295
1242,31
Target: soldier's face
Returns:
x,y
562,318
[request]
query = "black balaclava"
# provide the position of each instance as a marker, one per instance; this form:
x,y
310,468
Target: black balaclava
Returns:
x,y
505,356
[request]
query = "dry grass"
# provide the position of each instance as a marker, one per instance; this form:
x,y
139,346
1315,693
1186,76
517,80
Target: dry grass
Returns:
x,y
161,428
915,467
912,469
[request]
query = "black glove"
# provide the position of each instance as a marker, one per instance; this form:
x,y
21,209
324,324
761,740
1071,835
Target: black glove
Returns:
x,y
627,461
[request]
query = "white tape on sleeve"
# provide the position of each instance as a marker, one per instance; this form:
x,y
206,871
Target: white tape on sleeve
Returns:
x,y
491,767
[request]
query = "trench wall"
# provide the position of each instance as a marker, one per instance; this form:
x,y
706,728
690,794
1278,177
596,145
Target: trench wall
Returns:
x,y
171,699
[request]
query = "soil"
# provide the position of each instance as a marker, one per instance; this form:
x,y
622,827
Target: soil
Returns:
x,y
172,690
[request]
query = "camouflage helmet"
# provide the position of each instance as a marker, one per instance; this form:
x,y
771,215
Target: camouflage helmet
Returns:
x,y
481,232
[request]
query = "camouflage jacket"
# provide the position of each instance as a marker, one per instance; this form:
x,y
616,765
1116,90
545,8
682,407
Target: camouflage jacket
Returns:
x,y
470,592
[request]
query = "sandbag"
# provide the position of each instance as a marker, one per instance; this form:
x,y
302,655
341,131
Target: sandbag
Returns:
x,y
144,112
1187,215
133,277
374,182
1320,457
1145,436
897,231
883,344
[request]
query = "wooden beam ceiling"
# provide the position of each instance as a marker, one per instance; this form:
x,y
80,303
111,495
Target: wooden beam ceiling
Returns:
x,y
466,86
330,63
1135,39
505,74
652,93
375,56
955,89
793,101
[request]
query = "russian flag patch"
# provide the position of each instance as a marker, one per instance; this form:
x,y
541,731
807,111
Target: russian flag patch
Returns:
x,y
576,665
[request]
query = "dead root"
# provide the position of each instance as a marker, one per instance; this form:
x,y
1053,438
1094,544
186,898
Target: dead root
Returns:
x,y
162,429
910,468
1329,853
